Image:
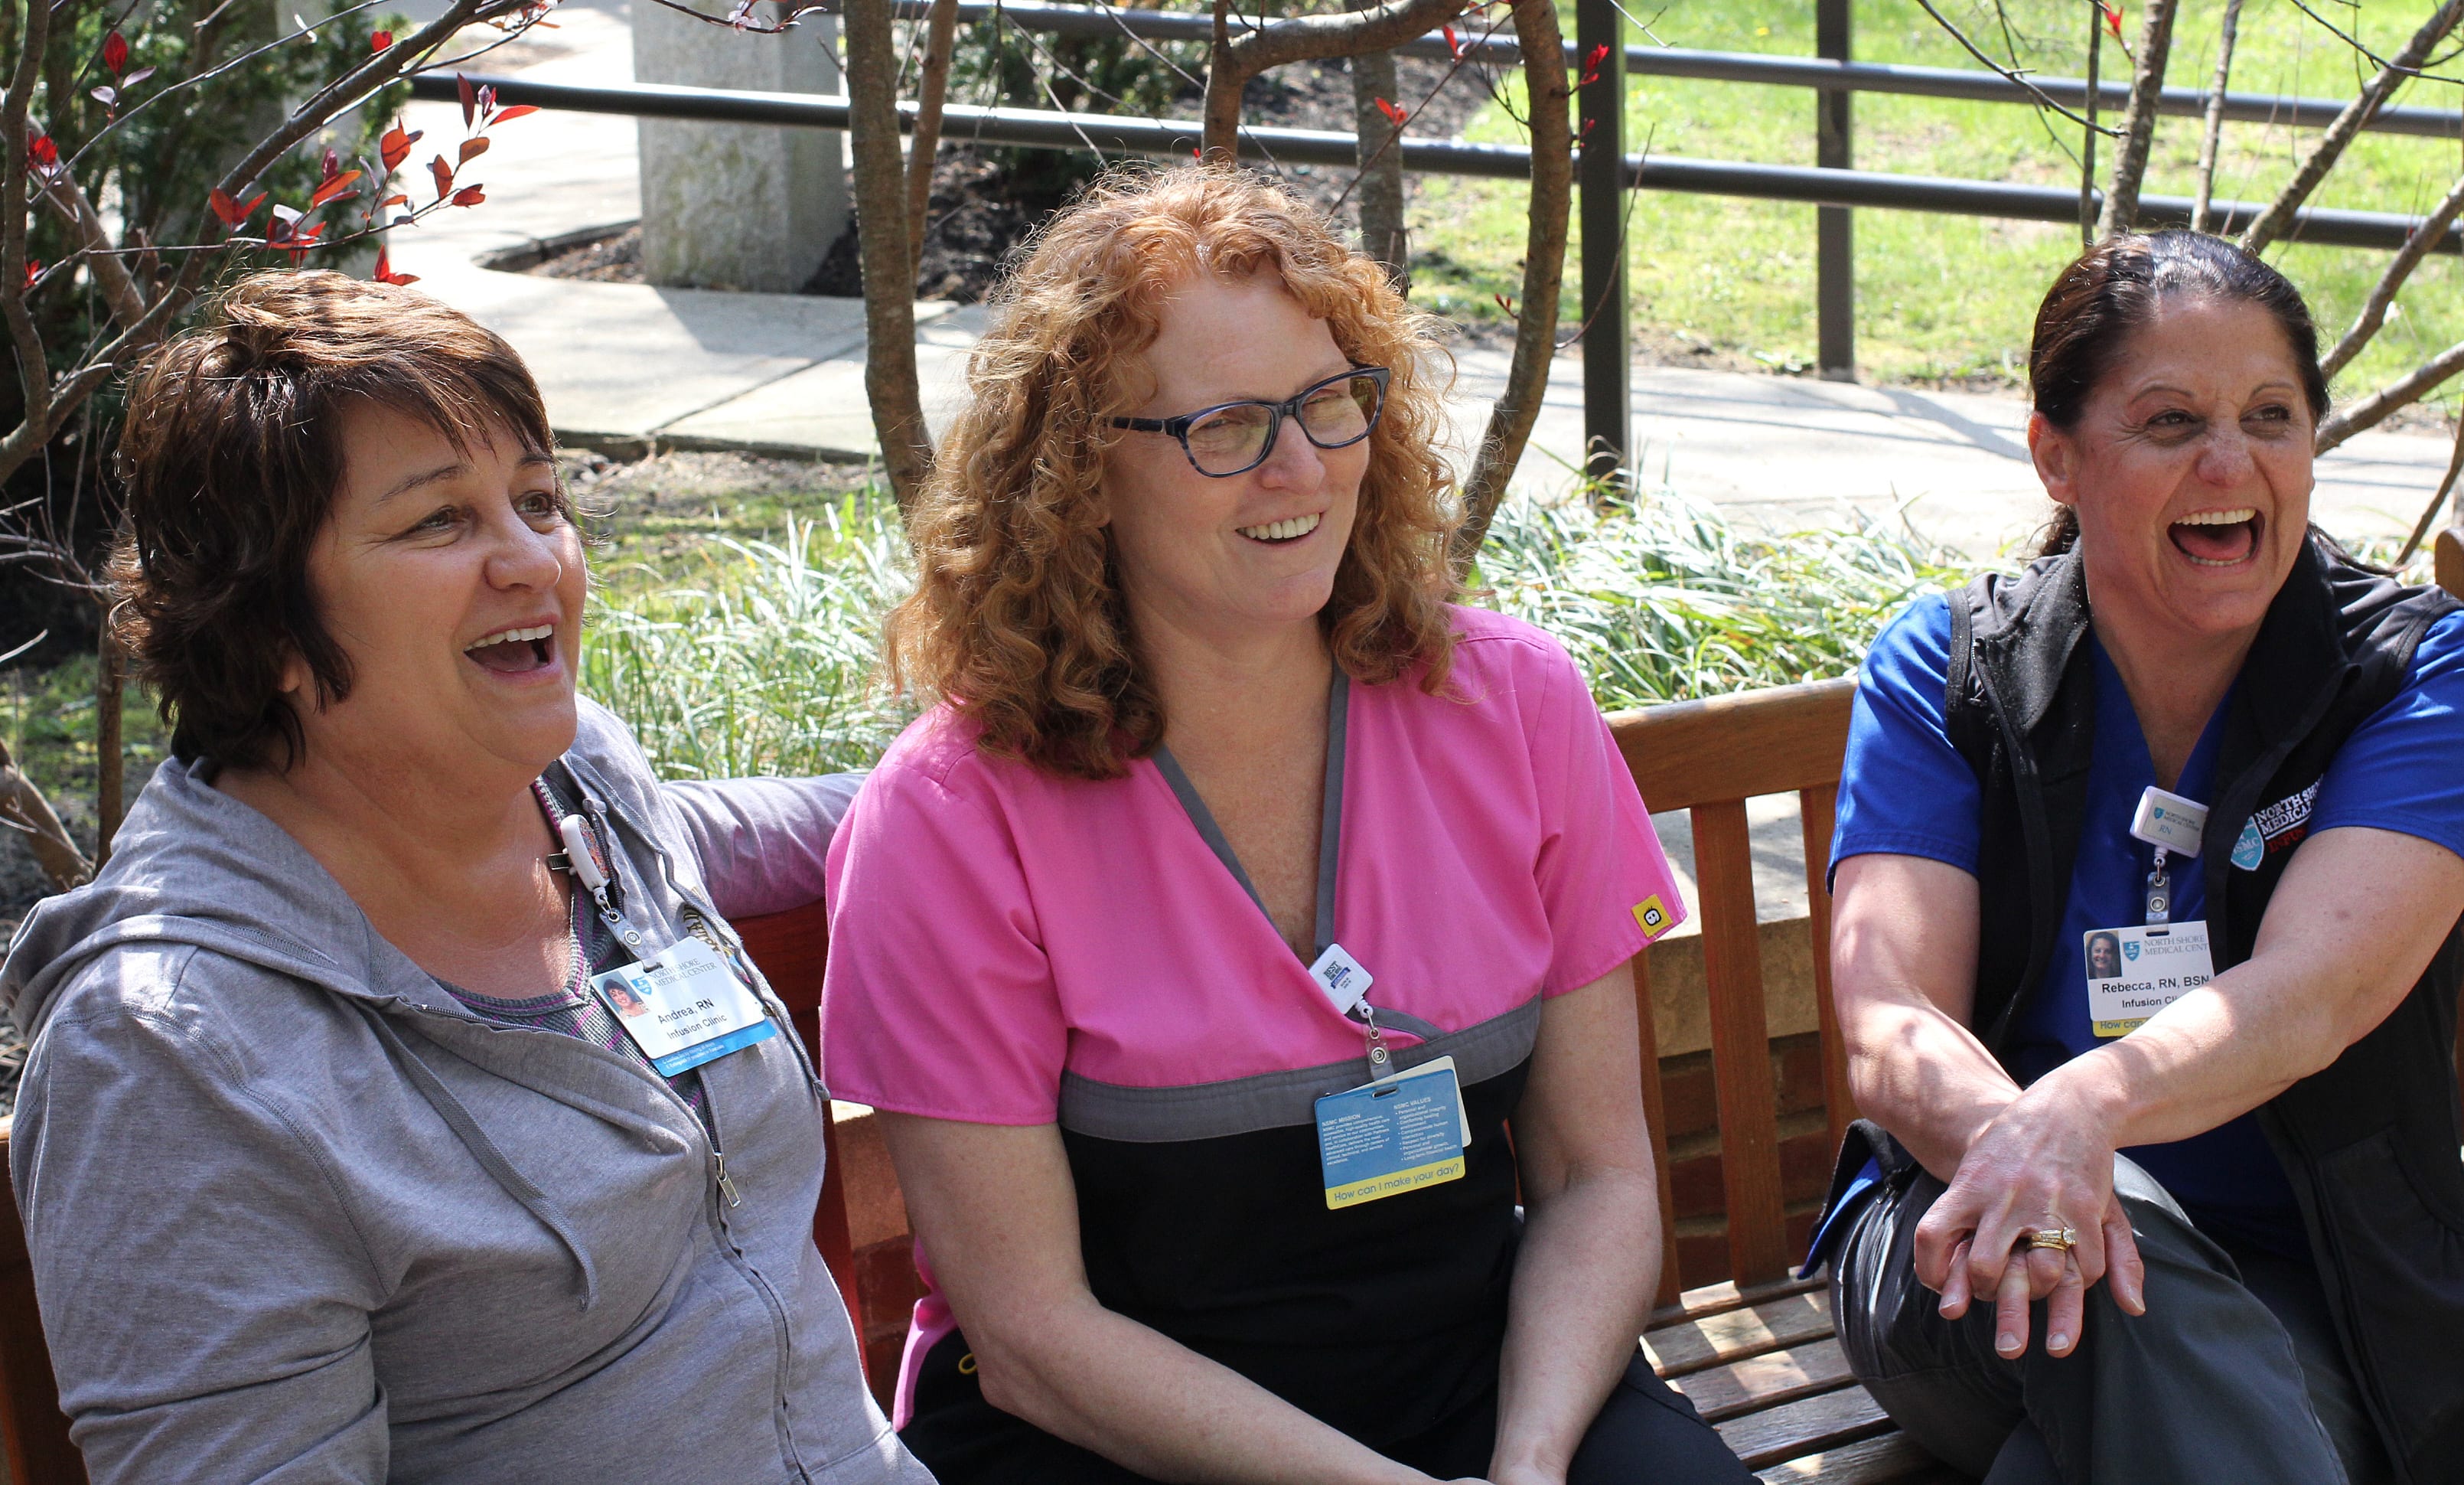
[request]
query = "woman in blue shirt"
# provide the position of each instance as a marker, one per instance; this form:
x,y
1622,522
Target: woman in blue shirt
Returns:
x,y
2148,865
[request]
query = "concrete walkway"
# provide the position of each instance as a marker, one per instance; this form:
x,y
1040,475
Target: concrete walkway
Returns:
x,y
626,366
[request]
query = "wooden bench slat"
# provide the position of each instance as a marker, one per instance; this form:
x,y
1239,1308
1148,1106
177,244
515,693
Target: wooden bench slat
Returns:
x,y
1720,1393
1891,1459
1818,809
1714,1340
1716,1298
1686,753
1655,1113
1741,1068
1808,1426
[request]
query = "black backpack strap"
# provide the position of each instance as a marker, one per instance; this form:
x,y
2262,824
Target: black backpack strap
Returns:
x,y
1967,724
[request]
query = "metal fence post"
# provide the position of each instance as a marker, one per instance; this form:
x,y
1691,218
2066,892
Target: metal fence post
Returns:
x,y
1835,240
1608,378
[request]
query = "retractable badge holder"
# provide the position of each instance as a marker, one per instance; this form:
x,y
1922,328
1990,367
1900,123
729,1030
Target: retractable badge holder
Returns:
x,y
584,865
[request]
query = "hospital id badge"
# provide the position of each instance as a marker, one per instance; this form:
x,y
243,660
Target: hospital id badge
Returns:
x,y
684,1008
2133,973
1397,1134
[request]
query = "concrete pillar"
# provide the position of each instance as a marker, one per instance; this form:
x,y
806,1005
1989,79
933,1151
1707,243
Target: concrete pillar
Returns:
x,y
730,206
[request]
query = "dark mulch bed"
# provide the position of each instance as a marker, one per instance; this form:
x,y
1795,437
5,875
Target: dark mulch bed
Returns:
x,y
984,204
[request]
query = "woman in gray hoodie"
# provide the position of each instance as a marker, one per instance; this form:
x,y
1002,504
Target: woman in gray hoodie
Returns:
x,y
338,1161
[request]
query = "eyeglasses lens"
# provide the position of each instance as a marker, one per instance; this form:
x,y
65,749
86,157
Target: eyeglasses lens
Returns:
x,y
1340,413
1232,439
1228,442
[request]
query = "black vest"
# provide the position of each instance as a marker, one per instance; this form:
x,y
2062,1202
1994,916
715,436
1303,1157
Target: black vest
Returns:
x,y
2371,1142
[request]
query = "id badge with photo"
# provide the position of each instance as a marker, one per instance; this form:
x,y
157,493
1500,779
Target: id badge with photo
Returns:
x,y
1397,1134
2133,973
684,1008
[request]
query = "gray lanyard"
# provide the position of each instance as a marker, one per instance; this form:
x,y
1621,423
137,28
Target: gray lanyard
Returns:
x,y
1329,854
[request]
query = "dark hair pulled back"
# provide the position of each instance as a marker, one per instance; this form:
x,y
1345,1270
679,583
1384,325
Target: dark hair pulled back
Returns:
x,y
2113,290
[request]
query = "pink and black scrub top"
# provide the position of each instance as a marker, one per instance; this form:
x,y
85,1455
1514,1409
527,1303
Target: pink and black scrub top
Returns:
x,y
1010,947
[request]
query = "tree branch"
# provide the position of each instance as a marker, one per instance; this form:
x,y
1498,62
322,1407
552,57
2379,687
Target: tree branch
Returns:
x,y
941,39
24,810
2277,219
102,259
2381,405
2138,124
2213,128
2417,247
1544,270
889,379
33,366
1380,181
1303,39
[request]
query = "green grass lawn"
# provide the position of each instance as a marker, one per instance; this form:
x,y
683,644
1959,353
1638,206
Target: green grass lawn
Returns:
x,y
1948,296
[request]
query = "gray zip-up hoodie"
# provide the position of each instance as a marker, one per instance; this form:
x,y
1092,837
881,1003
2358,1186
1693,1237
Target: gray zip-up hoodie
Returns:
x,y
296,1215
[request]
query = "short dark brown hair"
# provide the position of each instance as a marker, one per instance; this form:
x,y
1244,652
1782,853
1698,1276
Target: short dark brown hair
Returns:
x,y
2111,291
230,458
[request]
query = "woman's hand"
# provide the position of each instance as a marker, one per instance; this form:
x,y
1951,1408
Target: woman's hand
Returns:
x,y
2044,1162
997,1214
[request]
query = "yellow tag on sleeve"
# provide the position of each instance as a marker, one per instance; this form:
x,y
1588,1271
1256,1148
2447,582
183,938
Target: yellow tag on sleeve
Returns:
x,y
1653,916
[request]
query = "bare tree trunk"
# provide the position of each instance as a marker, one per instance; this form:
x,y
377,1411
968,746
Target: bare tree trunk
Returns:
x,y
2139,125
2211,131
1380,192
2087,139
110,756
22,811
1543,272
2417,245
889,379
2277,219
941,36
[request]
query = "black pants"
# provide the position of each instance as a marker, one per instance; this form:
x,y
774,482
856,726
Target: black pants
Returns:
x,y
2235,1373
1646,1432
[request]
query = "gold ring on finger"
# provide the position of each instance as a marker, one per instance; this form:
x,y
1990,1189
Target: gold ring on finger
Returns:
x,y
2061,1239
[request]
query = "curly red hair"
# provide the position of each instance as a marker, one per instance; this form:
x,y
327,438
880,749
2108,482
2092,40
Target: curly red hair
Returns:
x,y
1017,621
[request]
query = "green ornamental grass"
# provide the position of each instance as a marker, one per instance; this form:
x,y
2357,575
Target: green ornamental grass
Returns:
x,y
763,657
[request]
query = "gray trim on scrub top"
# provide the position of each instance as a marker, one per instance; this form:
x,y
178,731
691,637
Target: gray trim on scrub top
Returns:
x,y
1276,1100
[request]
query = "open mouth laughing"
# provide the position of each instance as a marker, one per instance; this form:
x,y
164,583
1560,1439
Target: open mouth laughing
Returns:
x,y
516,652
2218,538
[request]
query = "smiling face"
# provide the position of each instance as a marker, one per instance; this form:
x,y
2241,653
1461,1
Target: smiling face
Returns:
x,y
1251,552
454,582
2190,469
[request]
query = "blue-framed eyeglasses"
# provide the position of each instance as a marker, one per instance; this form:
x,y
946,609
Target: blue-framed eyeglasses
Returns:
x,y
1235,437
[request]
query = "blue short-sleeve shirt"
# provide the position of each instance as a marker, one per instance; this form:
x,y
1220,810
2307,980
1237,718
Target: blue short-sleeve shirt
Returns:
x,y
1904,790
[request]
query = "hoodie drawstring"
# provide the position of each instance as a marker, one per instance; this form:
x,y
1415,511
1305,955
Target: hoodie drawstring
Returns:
x,y
458,1118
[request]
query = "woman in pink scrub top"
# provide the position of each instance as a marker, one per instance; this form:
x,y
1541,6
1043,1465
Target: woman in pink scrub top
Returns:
x,y
1200,945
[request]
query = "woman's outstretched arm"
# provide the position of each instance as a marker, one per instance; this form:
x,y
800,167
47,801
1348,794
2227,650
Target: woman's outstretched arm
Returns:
x,y
997,1212
1590,1260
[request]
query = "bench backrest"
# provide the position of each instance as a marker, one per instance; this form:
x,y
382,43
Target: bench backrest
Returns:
x,y
1709,758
